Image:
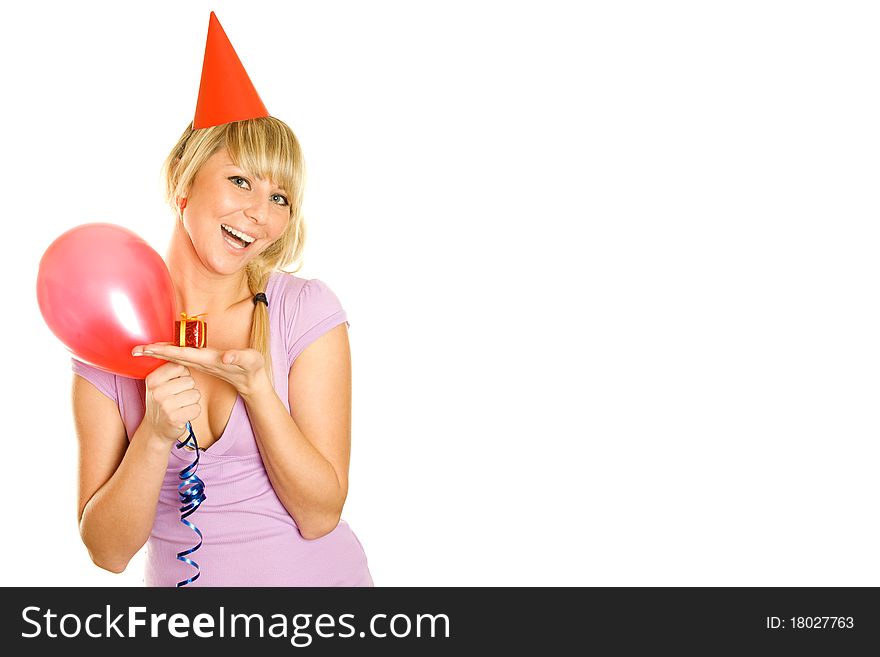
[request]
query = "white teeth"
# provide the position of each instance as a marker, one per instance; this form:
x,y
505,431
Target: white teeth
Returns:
x,y
235,244
247,238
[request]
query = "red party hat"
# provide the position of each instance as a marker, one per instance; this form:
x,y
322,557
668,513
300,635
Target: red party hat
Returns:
x,y
226,93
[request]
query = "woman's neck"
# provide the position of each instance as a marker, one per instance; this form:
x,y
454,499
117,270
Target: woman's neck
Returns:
x,y
198,290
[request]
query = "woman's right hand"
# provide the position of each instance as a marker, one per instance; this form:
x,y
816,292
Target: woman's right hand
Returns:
x,y
172,400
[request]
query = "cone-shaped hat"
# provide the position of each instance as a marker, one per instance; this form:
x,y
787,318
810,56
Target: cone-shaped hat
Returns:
x,y
226,93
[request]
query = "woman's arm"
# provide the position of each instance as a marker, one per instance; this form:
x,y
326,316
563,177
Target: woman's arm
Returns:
x,y
306,451
119,482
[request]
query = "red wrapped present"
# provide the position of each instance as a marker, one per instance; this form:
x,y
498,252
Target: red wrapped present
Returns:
x,y
191,331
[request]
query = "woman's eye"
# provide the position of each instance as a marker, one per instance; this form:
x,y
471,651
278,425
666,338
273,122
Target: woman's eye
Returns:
x,y
235,181
283,200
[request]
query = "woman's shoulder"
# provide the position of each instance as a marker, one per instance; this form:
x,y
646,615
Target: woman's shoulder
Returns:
x,y
110,384
289,290
283,284
306,308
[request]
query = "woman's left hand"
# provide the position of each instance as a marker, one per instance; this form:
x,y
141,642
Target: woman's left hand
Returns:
x,y
245,369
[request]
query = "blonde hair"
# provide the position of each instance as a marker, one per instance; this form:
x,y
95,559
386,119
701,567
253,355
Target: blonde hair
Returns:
x,y
267,148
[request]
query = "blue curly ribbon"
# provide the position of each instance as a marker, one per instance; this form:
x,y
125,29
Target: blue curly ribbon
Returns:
x,y
192,493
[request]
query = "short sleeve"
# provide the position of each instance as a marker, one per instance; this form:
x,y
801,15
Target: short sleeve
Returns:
x,y
317,311
103,381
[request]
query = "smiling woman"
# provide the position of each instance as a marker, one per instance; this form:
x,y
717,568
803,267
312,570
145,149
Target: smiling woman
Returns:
x,y
269,399
247,177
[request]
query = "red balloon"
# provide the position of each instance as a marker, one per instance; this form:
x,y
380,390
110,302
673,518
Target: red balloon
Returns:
x,y
102,290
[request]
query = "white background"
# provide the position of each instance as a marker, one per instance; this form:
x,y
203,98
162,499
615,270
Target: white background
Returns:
x,y
610,270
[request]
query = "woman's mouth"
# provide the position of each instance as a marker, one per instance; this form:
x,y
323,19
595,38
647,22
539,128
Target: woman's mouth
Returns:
x,y
236,238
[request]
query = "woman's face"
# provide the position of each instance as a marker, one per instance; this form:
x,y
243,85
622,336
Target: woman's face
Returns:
x,y
231,215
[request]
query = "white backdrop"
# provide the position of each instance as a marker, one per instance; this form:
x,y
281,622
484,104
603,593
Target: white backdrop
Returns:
x,y
610,271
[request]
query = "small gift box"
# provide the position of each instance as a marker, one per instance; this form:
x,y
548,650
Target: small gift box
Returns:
x,y
191,331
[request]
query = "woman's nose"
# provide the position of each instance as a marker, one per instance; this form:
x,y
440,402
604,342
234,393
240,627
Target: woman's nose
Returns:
x,y
258,211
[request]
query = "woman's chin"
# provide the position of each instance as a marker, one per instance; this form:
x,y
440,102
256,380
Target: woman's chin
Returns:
x,y
224,265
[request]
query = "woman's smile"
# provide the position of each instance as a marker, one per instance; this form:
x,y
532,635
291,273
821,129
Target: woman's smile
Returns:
x,y
238,239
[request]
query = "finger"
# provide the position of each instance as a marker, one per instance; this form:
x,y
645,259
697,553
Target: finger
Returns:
x,y
194,367
173,370
141,347
191,412
188,397
175,353
165,373
176,385
193,359
186,360
243,358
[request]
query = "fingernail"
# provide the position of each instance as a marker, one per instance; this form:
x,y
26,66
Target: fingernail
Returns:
x,y
147,351
136,352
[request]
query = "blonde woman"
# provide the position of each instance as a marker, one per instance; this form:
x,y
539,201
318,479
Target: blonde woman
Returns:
x,y
269,399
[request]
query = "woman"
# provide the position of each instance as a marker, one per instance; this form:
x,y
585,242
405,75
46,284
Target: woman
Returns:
x,y
269,399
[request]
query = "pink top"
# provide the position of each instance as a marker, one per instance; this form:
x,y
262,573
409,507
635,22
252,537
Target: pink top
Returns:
x,y
249,537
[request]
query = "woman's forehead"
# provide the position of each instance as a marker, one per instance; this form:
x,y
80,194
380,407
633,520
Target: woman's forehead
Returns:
x,y
221,159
